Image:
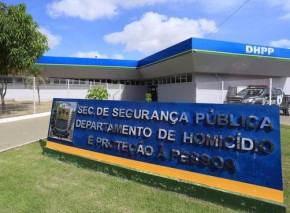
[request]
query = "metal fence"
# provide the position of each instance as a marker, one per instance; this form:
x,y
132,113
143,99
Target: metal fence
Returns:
x,y
26,95
231,90
30,95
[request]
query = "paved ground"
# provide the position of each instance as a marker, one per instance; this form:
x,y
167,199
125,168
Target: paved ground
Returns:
x,y
285,120
14,133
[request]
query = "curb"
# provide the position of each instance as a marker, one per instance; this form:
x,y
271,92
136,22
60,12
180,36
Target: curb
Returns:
x,y
13,147
24,117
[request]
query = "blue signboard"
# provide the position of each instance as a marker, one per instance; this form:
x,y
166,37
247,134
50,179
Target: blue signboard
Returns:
x,y
233,147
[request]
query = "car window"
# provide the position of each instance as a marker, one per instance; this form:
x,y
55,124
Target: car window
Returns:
x,y
255,92
250,92
279,92
266,92
274,92
243,92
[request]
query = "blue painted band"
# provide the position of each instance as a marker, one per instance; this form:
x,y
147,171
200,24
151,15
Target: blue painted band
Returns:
x,y
49,60
216,46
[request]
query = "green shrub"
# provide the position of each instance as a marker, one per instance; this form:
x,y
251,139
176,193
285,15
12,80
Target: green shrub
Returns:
x,y
99,93
148,97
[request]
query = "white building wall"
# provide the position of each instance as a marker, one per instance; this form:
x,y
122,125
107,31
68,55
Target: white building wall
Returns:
x,y
212,88
212,93
283,83
181,92
209,88
122,92
133,93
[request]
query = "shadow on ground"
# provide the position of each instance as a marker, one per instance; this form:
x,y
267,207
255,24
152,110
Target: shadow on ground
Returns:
x,y
219,197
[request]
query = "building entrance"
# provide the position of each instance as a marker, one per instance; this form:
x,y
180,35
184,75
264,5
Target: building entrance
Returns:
x,y
153,90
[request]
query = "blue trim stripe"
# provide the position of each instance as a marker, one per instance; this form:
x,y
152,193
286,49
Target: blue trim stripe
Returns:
x,y
189,45
50,60
167,53
195,44
239,48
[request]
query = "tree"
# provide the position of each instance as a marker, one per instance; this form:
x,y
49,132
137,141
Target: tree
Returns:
x,y
35,72
99,93
21,43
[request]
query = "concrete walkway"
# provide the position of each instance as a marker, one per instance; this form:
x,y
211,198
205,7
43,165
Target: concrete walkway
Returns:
x,y
22,130
285,120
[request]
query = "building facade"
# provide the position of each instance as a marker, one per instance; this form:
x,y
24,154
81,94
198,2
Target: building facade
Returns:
x,y
195,70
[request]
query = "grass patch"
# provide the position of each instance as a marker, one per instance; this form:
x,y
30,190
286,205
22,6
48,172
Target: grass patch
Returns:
x,y
285,136
33,182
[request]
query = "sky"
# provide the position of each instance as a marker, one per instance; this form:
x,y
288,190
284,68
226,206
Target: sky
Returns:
x,y
135,29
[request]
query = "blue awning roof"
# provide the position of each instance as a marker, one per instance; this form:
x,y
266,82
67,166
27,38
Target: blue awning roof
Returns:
x,y
212,46
187,46
52,60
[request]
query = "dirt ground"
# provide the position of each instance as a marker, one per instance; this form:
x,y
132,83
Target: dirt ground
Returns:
x,y
18,108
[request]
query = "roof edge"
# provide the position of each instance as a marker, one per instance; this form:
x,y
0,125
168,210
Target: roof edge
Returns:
x,y
96,62
184,47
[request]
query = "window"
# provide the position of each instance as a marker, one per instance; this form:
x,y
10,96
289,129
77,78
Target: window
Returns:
x,y
62,81
163,80
173,80
56,81
19,80
183,78
8,80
